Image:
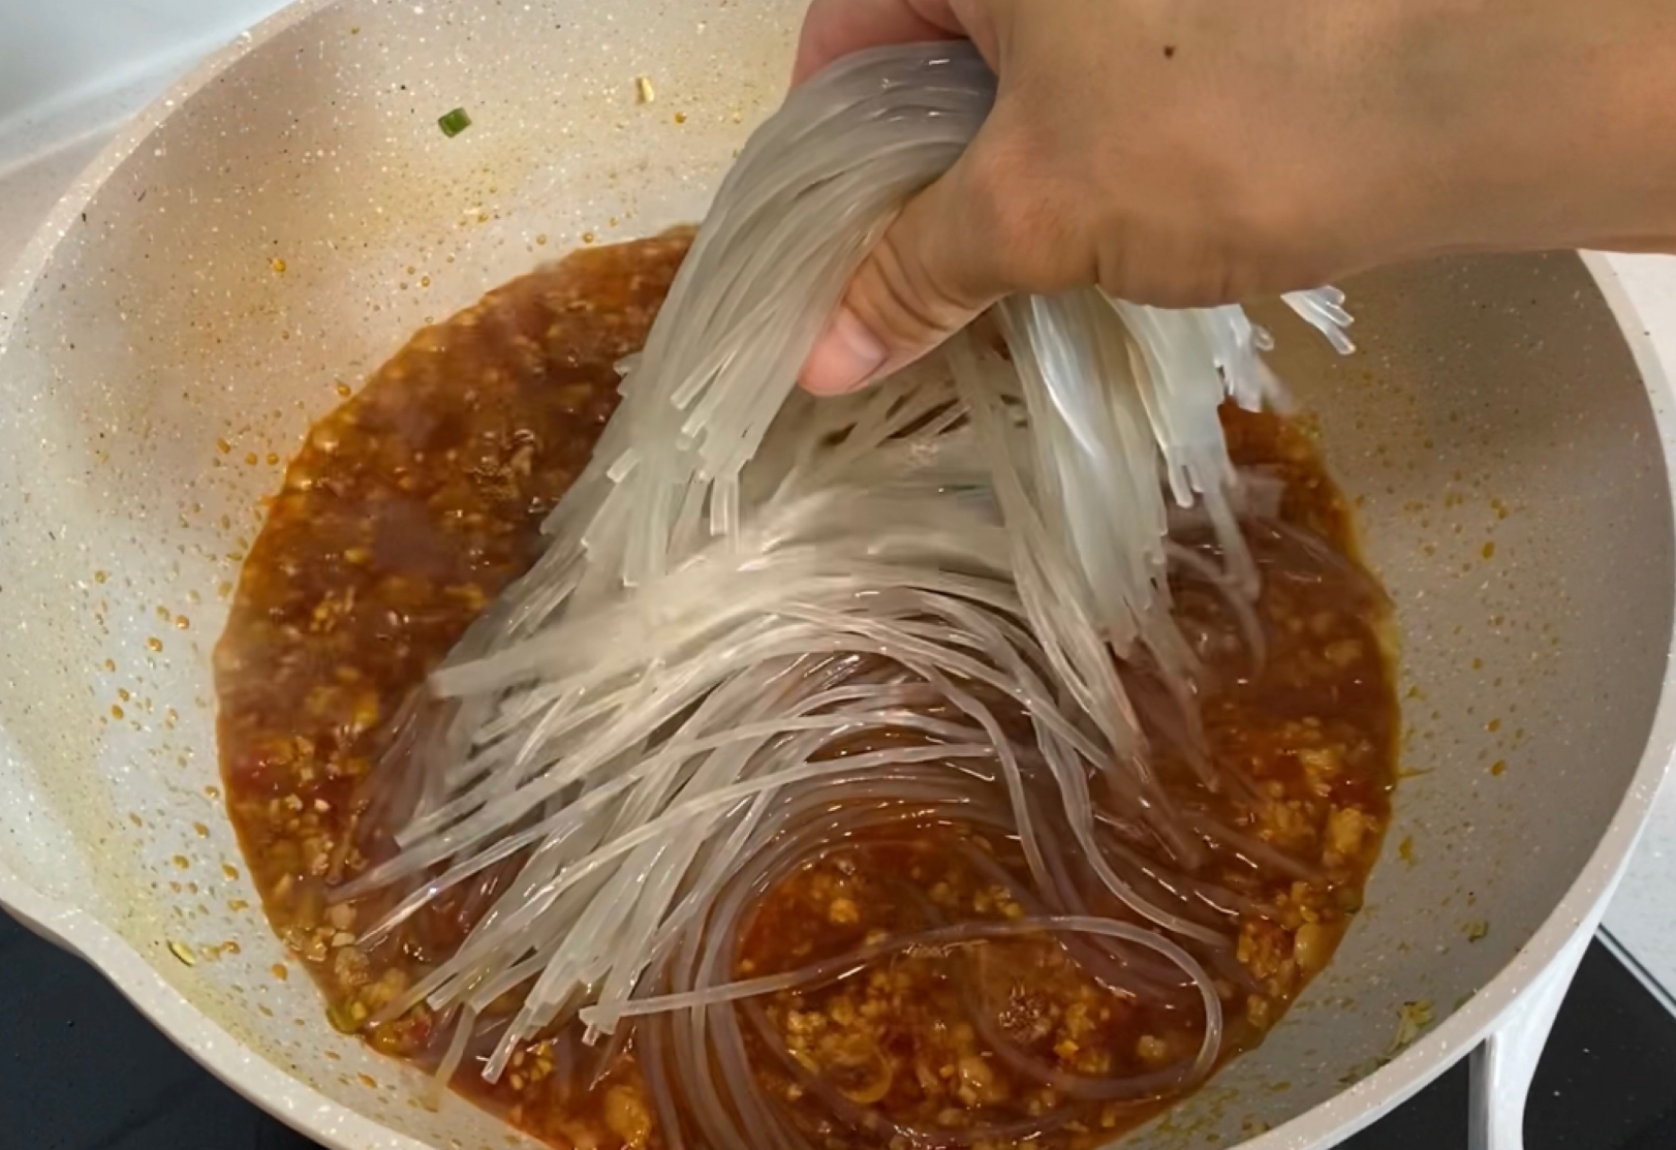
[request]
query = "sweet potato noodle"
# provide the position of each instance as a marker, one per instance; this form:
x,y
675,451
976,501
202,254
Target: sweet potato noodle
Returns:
x,y
976,761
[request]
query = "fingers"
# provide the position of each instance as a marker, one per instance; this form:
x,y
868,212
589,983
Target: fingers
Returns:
x,y
928,277
835,28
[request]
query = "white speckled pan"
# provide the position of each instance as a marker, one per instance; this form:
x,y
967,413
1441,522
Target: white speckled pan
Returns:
x,y
290,212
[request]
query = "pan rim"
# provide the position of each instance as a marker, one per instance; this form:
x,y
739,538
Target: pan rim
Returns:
x,y
340,1127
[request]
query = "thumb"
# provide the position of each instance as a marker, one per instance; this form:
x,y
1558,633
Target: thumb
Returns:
x,y
928,277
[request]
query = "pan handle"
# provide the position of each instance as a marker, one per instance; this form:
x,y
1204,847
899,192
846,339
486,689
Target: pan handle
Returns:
x,y
1504,1064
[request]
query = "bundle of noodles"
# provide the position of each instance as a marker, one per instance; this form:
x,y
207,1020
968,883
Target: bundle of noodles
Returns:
x,y
764,625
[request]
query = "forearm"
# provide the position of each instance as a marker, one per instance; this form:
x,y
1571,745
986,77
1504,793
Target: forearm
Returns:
x,y
1185,153
1558,121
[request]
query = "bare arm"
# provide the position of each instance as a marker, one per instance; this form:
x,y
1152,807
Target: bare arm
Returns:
x,y
1193,152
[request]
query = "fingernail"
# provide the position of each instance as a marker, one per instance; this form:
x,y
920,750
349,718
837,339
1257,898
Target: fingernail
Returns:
x,y
844,358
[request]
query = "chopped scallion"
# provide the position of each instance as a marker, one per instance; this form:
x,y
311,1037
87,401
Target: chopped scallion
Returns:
x,y
453,123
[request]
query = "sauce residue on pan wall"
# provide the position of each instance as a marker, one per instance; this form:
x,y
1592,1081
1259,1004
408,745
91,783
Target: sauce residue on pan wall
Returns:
x,y
413,504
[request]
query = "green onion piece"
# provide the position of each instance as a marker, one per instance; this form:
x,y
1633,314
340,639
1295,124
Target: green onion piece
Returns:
x,y
453,123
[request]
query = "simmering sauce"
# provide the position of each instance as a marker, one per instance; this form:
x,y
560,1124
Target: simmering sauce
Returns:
x,y
413,504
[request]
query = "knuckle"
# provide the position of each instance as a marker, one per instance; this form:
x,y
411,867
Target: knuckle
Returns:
x,y
906,297
1033,226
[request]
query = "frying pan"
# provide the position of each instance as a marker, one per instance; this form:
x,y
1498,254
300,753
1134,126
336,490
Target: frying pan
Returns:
x,y
288,214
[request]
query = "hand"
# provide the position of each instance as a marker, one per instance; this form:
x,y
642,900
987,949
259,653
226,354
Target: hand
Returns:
x,y
1198,152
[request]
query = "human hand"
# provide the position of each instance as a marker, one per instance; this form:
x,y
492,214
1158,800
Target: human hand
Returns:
x,y
1199,152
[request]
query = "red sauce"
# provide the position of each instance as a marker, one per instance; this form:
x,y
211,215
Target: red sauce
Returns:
x,y
414,503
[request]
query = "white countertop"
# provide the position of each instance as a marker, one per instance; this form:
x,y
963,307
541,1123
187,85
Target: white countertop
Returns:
x,y
53,121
